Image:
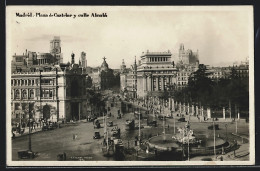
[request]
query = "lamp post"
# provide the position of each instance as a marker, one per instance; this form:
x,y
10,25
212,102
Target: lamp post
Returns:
x,y
188,145
226,125
30,140
214,139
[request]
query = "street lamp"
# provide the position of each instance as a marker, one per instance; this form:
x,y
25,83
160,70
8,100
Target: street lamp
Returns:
x,y
226,125
214,139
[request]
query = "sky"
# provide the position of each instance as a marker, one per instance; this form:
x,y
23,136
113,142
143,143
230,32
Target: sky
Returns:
x,y
222,35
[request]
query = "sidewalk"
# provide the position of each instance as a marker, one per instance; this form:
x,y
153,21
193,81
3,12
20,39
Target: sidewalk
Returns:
x,y
26,131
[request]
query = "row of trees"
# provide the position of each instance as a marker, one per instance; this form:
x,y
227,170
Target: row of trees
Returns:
x,y
203,90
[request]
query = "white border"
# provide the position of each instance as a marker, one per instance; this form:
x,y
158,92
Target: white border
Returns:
x,y
251,161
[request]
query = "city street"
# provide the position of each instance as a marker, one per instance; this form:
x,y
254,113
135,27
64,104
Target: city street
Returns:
x,y
50,143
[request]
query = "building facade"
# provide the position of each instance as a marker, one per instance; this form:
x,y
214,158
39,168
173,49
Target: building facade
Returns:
x,y
183,75
30,61
50,92
188,56
155,74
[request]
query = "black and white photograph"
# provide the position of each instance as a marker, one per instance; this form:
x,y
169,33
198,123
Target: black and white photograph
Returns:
x,y
130,85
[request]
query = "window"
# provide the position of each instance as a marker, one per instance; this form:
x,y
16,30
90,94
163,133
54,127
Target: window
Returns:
x,y
17,94
24,94
154,83
160,84
165,83
16,106
31,94
19,59
50,93
46,82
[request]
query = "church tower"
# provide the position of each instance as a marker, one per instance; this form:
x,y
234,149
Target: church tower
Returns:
x,y
72,58
55,49
83,60
123,66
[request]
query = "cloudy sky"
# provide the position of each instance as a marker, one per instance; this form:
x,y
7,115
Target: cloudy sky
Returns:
x,y
222,35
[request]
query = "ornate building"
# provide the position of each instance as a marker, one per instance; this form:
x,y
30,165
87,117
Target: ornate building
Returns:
x,y
155,74
57,94
184,72
55,49
104,77
128,80
31,61
188,56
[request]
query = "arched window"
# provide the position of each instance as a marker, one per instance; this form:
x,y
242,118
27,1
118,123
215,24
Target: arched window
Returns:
x,y
17,94
24,94
31,94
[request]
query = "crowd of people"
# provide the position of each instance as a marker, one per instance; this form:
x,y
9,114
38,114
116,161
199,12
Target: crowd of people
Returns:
x,y
20,128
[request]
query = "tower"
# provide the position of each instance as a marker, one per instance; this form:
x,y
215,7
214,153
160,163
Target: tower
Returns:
x,y
72,58
123,66
104,66
55,45
83,60
55,49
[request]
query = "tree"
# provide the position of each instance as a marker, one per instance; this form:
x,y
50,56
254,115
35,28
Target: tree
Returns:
x,y
200,86
88,82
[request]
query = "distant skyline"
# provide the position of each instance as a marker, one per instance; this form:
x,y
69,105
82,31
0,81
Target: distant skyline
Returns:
x,y
221,34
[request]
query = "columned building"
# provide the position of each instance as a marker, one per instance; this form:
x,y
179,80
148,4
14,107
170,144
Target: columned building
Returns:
x,y
155,74
128,80
58,94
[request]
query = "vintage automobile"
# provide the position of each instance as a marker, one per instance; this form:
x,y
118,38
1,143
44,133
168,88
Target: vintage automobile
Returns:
x,y
119,116
26,154
216,127
110,123
181,120
116,132
97,124
96,135
92,118
45,127
161,117
152,123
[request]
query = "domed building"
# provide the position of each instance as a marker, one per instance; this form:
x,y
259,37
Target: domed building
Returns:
x,y
104,77
104,66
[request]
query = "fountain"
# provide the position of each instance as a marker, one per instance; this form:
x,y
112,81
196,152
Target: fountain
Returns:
x,y
185,142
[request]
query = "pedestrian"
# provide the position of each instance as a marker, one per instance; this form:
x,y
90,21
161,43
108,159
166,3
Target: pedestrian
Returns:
x,y
64,156
168,126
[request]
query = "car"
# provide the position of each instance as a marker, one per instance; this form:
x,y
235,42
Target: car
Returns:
x,y
110,123
92,118
152,123
96,135
181,120
45,127
97,125
211,127
26,154
161,117
169,116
